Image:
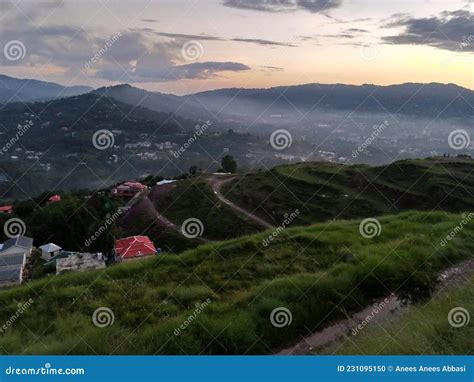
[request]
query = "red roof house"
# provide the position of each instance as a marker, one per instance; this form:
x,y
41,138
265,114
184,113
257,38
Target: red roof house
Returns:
x,y
128,189
134,247
6,209
54,198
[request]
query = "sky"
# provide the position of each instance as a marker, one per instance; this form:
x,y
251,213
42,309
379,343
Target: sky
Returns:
x,y
183,47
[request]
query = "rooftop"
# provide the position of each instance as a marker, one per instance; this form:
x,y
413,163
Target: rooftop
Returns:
x,y
134,246
18,241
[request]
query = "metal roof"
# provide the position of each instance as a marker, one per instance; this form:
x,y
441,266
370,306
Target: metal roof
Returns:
x,y
13,259
50,247
10,274
19,241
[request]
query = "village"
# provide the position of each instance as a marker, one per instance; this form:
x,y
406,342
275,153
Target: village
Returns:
x,y
18,252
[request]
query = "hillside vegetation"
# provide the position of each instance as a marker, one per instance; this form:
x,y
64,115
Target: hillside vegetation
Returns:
x,y
425,329
320,273
322,191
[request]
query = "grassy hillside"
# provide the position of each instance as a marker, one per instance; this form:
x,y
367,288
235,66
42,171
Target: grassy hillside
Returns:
x,y
323,191
193,197
320,273
424,330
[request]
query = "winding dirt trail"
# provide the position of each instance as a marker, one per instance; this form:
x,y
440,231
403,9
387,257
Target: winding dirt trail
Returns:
x,y
384,309
216,182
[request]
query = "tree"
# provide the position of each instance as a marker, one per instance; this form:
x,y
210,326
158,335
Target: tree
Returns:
x,y
229,164
193,170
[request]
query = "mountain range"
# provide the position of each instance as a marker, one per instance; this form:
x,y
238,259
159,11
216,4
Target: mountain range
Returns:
x,y
324,122
29,90
413,99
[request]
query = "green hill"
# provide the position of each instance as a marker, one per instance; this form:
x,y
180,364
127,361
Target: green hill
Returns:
x,y
322,191
319,191
218,298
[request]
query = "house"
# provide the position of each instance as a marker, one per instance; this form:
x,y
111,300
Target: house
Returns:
x,y
51,265
133,247
18,244
49,250
80,262
11,268
54,198
6,209
128,189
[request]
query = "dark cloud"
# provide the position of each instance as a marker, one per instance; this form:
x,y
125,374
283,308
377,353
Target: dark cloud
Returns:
x,y
452,31
313,6
356,30
190,36
164,62
201,37
272,68
128,55
263,42
169,72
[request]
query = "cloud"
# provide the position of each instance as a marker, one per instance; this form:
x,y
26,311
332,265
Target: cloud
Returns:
x,y
450,30
164,62
272,68
356,30
313,6
263,42
128,55
190,36
202,37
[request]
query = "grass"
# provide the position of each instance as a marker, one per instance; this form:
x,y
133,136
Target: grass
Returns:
x,y
319,272
193,197
323,191
423,330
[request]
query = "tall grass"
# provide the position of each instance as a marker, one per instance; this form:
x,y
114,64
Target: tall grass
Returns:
x,y
320,273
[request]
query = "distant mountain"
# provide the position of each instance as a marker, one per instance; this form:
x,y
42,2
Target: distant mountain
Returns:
x,y
29,90
59,144
431,100
168,103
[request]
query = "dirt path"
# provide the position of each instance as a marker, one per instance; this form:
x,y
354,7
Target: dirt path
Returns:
x,y
216,182
385,309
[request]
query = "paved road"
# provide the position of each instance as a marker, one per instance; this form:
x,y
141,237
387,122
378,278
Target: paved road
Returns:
x,y
216,182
